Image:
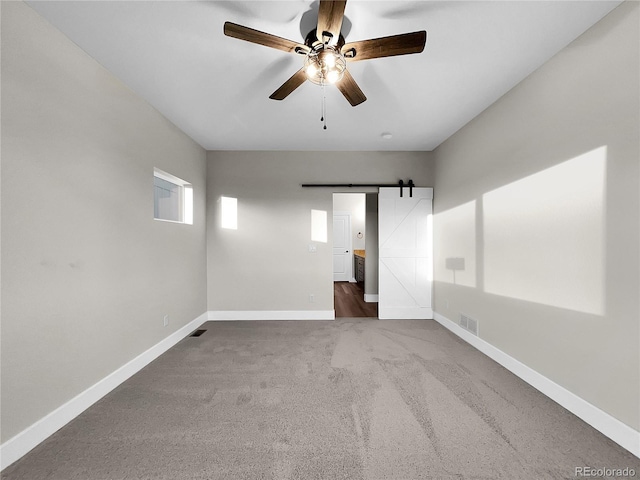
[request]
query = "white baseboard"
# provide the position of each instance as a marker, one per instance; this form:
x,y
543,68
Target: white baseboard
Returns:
x,y
224,315
371,297
16,447
619,432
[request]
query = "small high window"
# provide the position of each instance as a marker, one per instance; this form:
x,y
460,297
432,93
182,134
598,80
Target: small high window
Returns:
x,y
172,198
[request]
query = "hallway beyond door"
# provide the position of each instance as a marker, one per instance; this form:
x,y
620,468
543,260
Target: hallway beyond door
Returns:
x,y
349,301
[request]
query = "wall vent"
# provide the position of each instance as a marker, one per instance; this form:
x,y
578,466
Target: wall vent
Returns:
x,y
469,324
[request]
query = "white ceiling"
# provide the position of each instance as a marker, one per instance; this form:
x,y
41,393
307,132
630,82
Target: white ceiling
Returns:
x,y
216,88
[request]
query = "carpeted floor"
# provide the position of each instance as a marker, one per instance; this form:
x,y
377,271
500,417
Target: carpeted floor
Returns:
x,y
349,399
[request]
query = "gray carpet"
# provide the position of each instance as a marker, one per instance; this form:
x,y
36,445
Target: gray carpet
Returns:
x,y
349,399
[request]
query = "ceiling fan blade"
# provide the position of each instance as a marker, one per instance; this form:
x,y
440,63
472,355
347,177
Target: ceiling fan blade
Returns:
x,y
386,46
255,36
350,89
330,15
290,85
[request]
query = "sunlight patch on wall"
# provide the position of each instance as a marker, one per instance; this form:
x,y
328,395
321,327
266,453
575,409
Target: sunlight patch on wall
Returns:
x,y
455,241
544,236
188,204
319,226
229,206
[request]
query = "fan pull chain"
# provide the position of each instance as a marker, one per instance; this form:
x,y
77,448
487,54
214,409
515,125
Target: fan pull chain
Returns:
x,y
324,109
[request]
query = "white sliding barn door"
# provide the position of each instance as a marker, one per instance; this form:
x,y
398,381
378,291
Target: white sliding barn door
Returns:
x,y
405,253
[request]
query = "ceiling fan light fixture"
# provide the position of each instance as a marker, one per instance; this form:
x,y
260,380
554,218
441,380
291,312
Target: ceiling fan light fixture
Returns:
x,y
311,70
329,58
333,76
324,64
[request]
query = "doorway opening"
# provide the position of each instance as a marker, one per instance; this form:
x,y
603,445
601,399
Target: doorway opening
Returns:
x,y
355,254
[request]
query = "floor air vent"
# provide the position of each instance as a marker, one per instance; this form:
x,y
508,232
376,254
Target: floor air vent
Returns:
x,y
469,323
197,333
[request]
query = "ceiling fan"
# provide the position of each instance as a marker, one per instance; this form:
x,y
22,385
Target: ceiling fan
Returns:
x,y
326,53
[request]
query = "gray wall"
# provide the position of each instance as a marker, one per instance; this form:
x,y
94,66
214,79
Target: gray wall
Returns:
x,y
87,274
539,195
265,265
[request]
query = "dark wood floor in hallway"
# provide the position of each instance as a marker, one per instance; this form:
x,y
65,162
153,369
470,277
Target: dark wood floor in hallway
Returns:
x,y
349,301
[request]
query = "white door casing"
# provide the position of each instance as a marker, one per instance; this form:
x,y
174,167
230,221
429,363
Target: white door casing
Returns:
x,y
342,259
405,272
